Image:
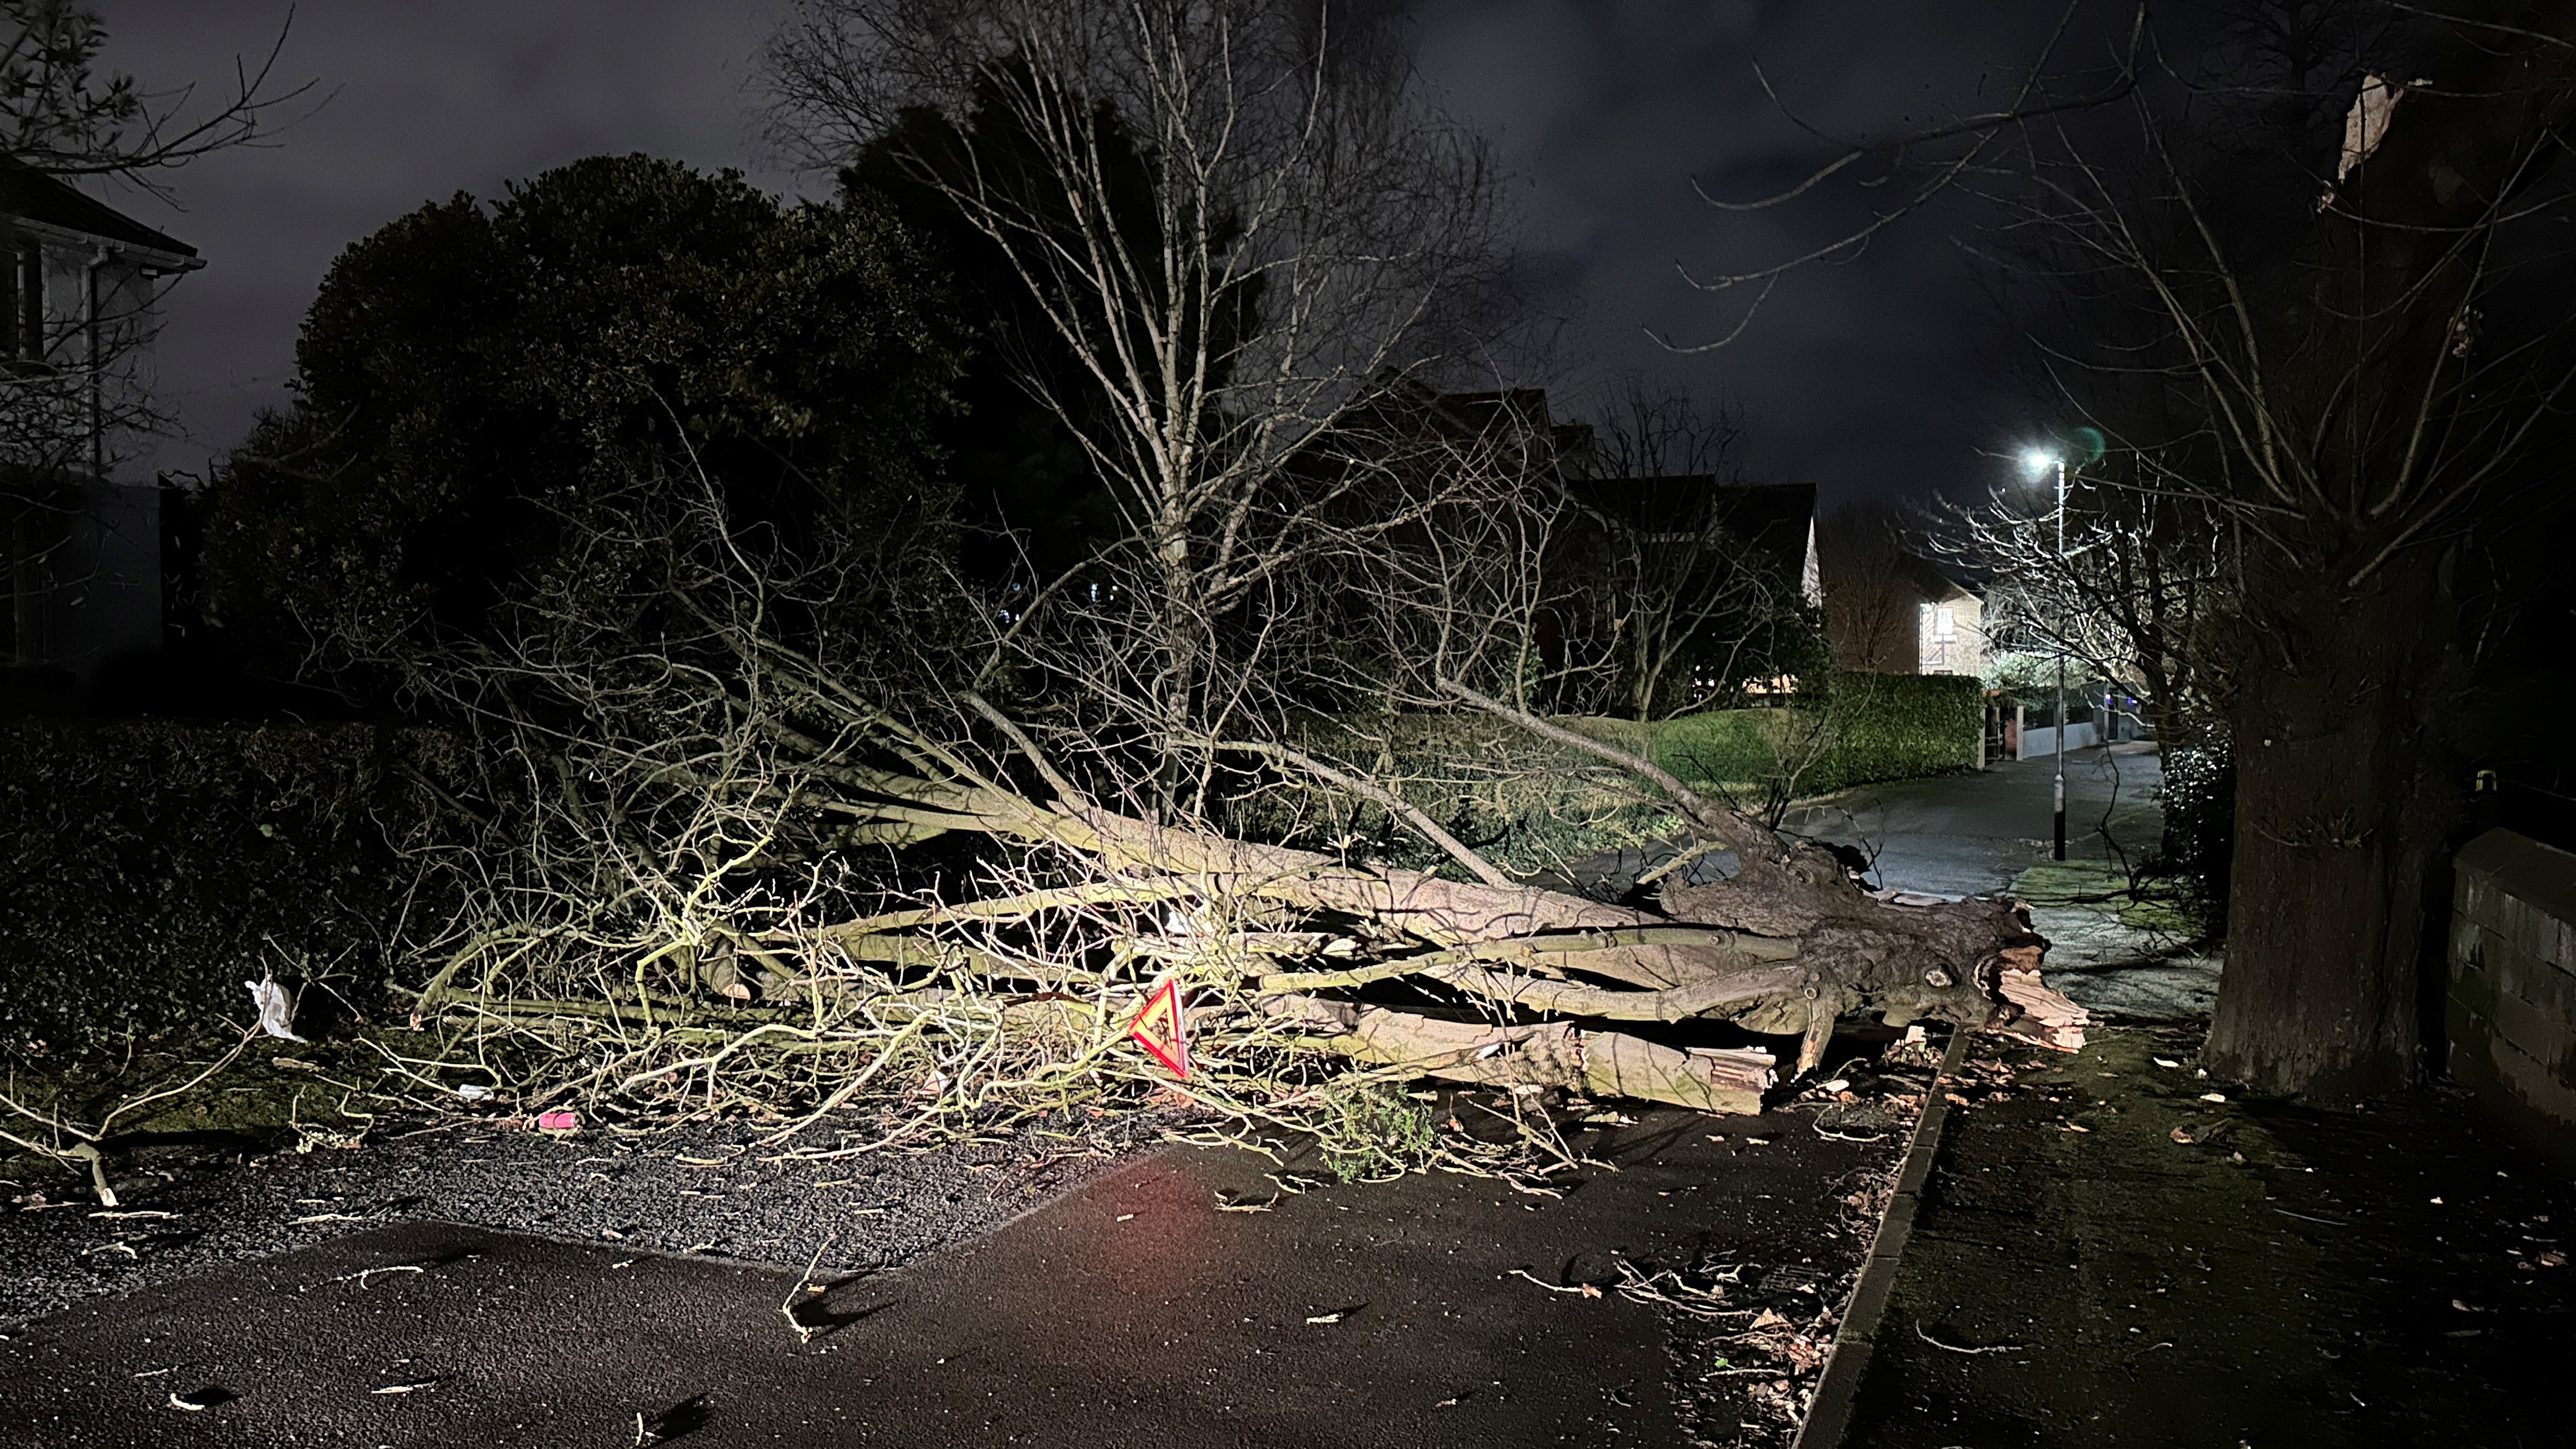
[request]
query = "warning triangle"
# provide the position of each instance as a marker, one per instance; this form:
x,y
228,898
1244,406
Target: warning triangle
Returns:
x,y
1158,1029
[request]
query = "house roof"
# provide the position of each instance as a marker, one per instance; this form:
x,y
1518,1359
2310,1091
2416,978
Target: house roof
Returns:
x,y
31,195
1772,517
1936,579
1776,518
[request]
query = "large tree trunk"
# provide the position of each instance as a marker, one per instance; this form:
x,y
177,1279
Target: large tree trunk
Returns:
x,y
1788,945
2345,821
2354,658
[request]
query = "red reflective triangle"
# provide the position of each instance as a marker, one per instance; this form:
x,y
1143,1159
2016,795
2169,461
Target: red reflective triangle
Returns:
x,y
1158,1029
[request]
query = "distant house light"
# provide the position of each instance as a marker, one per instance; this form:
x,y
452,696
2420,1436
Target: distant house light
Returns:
x,y
1945,623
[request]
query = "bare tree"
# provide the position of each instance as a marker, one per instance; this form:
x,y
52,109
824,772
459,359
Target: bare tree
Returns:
x,y
1304,232
2354,363
719,856
2318,311
700,846
1870,601
1675,602
61,116
2134,594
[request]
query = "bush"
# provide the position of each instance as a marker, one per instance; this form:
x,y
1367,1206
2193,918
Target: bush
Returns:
x,y
1867,727
2199,799
151,867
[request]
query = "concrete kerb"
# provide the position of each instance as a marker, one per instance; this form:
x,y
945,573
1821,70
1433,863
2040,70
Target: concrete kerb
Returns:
x,y
1829,1412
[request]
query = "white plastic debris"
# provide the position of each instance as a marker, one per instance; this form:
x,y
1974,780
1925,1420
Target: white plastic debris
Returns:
x,y
474,1091
276,1008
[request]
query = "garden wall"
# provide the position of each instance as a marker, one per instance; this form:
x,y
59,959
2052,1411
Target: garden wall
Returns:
x,y
2511,1018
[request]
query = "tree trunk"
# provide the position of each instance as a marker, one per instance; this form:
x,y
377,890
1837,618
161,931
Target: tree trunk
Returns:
x,y
2345,821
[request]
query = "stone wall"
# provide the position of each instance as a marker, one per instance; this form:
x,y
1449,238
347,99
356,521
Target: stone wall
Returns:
x,y
2511,1016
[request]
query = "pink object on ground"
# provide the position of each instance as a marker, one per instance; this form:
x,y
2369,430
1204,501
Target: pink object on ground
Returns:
x,y
557,1121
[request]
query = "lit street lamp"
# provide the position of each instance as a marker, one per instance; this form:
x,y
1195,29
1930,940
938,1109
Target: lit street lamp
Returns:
x,y
2037,461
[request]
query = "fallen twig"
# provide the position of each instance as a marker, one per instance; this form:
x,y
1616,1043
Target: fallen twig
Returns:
x,y
805,1331
1584,1290
1955,1348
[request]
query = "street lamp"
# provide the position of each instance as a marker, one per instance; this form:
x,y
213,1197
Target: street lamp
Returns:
x,y
2037,461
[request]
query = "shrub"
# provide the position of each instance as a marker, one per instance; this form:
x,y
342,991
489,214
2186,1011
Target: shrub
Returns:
x,y
2199,800
1865,728
150,867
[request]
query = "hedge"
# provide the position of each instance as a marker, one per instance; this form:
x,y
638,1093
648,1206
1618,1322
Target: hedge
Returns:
x,y
1865,728
151,867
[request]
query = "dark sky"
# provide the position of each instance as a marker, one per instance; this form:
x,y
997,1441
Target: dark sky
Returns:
x,y
1873,378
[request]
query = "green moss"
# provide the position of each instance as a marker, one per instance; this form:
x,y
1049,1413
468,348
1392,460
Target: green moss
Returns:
x,y
2158,904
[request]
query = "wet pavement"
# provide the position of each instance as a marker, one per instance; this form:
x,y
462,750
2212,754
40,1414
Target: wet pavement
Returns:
x,y
2104,1258
1965,835
191,1202
1185,1299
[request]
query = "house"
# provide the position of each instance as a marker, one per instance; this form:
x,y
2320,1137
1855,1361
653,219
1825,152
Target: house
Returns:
x,y
1657,590
80,284
1776,521
1949,622
1896,612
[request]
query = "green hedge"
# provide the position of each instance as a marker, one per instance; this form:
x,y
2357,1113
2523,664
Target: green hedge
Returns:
x,y
148,868
1899,726
1866,727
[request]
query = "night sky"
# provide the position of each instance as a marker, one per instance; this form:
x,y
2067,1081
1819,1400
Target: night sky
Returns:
x,y
1880,377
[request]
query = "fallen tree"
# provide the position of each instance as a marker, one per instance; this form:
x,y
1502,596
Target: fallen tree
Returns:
x,y
744,838
1288,955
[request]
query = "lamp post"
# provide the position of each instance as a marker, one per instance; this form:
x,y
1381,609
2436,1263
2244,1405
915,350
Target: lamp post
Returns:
x,y
2038,460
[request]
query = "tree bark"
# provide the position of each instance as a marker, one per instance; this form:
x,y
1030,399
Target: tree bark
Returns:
x,y
2345,821
2355,656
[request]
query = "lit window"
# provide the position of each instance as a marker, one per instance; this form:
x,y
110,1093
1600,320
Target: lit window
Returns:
x,y
1945,623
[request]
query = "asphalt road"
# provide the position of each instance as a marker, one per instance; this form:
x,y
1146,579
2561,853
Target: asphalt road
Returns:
x,y
1955,835
1965,835
706,1190
1135,1310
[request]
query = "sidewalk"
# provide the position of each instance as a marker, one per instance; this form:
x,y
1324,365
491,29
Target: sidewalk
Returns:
x,y
2105,1257
2285,1278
